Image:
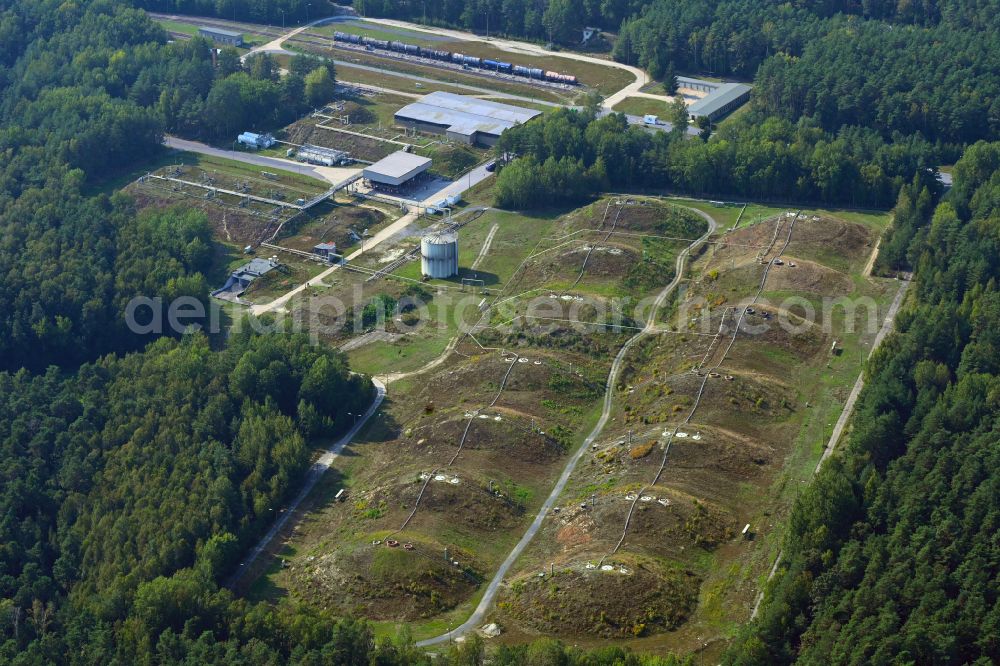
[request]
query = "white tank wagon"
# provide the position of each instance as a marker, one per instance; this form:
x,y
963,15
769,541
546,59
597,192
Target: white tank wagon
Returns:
x,y
439,255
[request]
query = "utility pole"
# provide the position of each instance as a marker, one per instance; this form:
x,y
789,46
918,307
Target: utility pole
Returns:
x,y
282,19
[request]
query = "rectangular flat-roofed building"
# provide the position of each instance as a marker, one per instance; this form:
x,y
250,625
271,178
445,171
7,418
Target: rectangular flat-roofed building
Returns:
x,y
396,169
697,84
219,36
462,118
727,97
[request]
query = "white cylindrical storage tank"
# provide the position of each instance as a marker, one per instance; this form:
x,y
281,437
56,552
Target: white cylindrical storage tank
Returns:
x,y
439,255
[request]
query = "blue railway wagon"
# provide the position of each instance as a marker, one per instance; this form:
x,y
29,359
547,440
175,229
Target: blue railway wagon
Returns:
x,y
473,61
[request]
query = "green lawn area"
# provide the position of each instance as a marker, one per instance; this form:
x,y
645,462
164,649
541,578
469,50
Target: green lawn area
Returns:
x,y
515,238
873,219
296,181
726,213
377,32
191,29
345,58
415,350
115,180
756,212
178,27
735,114
723,213
606,79
275,283
392,81
640,106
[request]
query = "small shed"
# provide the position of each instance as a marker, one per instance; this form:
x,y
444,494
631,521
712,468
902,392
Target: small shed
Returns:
x,y
325,250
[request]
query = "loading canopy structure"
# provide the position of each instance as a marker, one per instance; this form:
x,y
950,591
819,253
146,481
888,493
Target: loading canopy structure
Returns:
x,y
397,169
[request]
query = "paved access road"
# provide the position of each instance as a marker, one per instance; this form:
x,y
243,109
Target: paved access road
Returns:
x,y
368,245
313,476
845,415
479,614
332,175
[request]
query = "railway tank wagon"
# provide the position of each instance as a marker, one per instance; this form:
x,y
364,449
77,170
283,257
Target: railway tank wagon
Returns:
x,y
457,58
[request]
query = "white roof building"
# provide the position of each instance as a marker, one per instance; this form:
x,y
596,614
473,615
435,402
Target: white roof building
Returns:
x,y
463,118
397,168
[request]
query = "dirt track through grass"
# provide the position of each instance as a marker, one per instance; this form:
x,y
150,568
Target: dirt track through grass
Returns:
x,y
494,585
704,381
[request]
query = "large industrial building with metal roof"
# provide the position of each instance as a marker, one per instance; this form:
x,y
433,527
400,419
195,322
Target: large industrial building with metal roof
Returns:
x,y
721,99
396,170
461,118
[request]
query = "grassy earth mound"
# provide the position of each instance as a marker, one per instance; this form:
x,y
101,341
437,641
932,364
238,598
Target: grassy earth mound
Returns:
x,y
650,598
389,583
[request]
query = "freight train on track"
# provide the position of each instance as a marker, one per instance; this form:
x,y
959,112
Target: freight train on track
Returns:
x,y
457,58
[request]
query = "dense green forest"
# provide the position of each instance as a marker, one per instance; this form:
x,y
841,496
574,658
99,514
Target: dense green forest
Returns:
x,y
139,466
88,89
569,155
135,472
713,27
892,553
924,68
274,12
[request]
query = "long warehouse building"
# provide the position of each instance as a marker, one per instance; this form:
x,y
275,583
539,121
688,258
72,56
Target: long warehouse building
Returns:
x,y
721,100
461,118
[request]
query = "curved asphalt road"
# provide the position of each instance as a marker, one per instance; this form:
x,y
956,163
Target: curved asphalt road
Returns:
x,y
514,46
330,175
494,585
